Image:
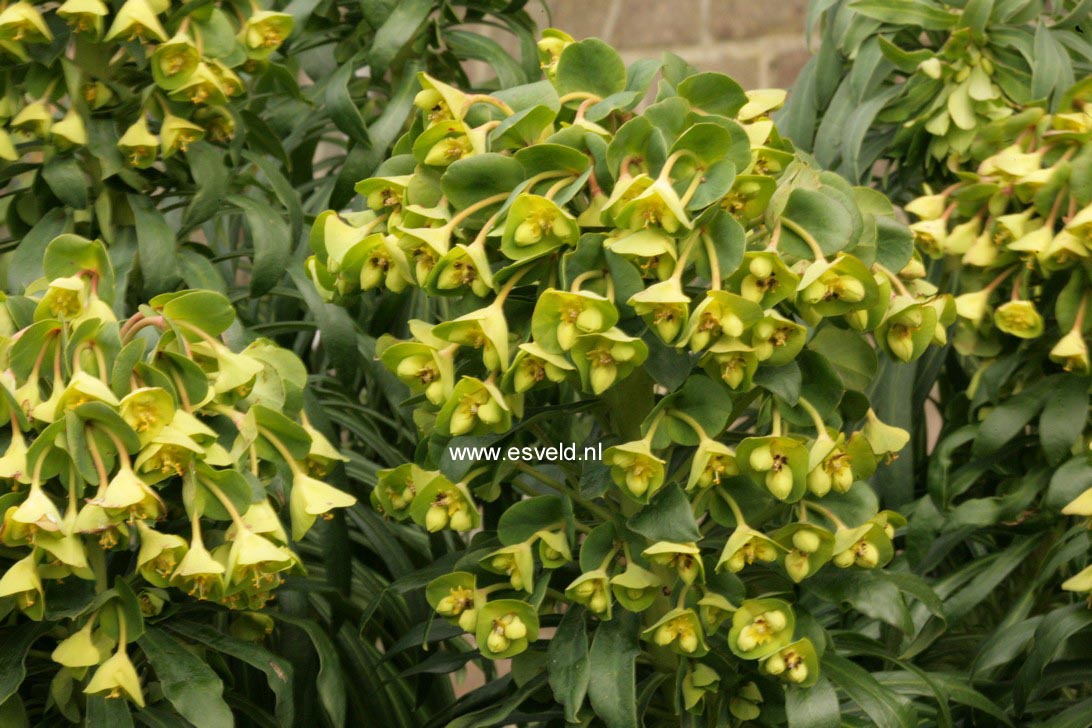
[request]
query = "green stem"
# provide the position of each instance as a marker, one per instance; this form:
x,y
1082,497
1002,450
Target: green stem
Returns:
x,y
736,512
693,423
566,490
714,261
807,238
816,418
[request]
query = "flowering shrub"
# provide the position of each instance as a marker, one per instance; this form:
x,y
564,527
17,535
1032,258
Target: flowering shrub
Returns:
x,y
147,463
999,223
193,140
679,285
912,82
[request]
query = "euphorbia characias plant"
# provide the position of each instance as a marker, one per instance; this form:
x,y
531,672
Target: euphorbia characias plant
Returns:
x,y
1019,227
147,462
678,285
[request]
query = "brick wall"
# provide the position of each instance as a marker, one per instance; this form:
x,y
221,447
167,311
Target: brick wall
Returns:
x,y
760,43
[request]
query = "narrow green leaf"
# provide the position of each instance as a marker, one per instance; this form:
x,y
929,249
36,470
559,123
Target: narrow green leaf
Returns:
x,y
155,245
568,664
188,682
612,661
881,704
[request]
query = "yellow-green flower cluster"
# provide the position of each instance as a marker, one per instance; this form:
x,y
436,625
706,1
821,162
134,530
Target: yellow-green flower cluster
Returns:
x,y
189,62
1020,225
146,444
578,246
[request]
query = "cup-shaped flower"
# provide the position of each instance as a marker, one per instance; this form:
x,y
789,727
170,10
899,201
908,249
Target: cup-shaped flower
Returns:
x,y
261,518
656,206
683,559
485,329
635,469
421,368
664,308
148,410
680,630
732,362
505,628
927,207
780,464
652,250
636,587
311,498
536,225
160,554
202,86
764,279
84,16
38,511
79,649
71,131
117,678
553,549
515,562
534,366
136,20
34,119
264,32
838,464
908,328
129,497
21,581
866,546
1071,352
550,47
795,663
1019,318
713,463
592,589
178,134
606,358
111,531
139,146
809,548
385,194
714,609
776,340
560,317
13,463
761,627
1080,582
439,101
441,504
199,574
474,408
167,454
838,287
746,546
454,597
174,61
257,562
21,22
720,314
749,197
463,269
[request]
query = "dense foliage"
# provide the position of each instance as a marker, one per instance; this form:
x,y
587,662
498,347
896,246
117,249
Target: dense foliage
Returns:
x,y
908,83
677,285
171,442
216,193
997,527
